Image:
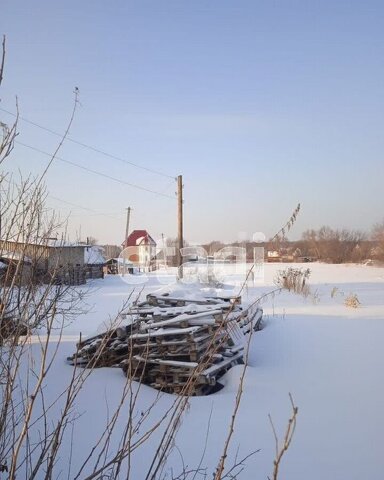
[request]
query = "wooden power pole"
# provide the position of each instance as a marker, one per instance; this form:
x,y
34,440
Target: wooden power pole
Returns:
x,y
180,240
127,226
164,250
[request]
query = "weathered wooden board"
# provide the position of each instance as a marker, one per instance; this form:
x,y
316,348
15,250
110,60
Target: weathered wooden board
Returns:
x,y
176,344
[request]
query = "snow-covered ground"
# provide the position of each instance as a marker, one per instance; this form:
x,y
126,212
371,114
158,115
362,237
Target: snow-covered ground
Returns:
x,y
328,356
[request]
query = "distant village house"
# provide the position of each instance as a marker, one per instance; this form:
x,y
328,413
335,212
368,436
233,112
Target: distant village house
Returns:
x,y
42,261
141,251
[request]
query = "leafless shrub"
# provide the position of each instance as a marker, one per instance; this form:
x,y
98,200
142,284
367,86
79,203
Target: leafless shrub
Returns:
x,y
315,297
334,292
352,301
294,280
24,406
27,304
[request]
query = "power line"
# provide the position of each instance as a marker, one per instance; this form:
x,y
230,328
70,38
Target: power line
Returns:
x,y
71,204
95,172
95,212
94,149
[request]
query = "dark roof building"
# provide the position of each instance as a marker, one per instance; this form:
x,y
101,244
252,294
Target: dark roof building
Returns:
x,y
140,249
139,237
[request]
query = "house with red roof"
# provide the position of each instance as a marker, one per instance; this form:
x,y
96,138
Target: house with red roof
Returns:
x,y
141,250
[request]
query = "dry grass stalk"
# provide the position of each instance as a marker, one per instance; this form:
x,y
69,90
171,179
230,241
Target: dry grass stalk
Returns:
x,y
280,235
334,292
294,280
281,449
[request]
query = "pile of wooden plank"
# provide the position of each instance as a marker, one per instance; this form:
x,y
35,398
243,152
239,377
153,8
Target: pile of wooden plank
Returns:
x,y
175,343
108,349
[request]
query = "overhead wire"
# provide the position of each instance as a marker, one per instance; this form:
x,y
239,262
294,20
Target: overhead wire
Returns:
x,y
90,170
90,147
95,172
76,205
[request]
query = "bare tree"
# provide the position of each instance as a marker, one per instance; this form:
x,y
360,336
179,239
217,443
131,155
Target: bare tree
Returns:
x,y
336,246
377,236
92,241
111,251
213,246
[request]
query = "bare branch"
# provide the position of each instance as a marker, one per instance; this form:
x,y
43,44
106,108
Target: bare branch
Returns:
x,y
282,448
2,60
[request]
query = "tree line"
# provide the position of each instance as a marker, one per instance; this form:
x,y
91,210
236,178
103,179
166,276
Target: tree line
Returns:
x,y
325,244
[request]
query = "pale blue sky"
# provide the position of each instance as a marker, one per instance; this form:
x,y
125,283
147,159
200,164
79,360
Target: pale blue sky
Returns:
x,y
259,104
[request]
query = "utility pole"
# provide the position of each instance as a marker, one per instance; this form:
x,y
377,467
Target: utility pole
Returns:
x,y
164,250
127,226
180,240
126,236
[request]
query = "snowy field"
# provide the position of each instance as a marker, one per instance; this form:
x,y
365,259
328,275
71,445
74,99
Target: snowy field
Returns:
x,y
328,356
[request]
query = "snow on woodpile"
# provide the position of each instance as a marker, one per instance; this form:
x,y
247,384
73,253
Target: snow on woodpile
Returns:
x,y
178,341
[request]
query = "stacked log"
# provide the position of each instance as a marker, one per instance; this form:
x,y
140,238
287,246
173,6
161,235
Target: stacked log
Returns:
x,y
174,344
